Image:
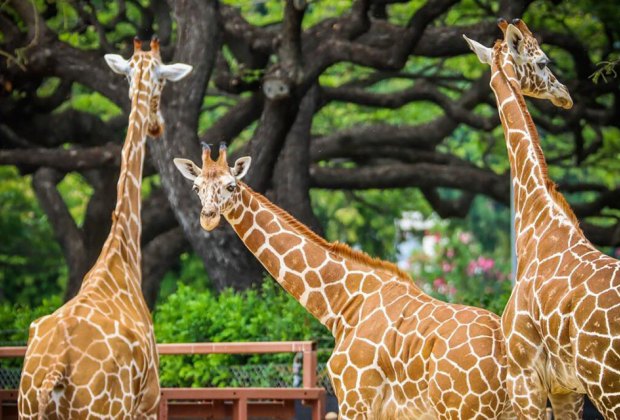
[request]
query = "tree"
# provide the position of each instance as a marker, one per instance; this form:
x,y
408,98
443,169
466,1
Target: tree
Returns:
x,y
347,96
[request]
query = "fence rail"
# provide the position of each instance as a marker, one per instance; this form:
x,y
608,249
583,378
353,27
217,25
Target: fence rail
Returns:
x,y
238,403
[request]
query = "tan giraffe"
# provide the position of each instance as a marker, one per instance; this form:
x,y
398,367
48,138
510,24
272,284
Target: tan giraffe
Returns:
x,y
399,353
562,322
96,356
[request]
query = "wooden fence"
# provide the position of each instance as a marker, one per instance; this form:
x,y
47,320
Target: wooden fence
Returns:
x,y
213,403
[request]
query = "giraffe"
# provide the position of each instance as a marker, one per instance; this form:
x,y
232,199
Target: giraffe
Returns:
x,y
96,356
561,323
399,353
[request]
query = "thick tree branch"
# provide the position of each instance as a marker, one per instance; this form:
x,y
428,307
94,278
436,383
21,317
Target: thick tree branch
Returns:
x,y
65,160
237,119
65,230
423,175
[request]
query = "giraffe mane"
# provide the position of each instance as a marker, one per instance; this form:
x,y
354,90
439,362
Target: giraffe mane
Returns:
x,y
338,248
551,187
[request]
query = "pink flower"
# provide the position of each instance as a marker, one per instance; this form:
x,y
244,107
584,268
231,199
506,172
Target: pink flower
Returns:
x,y
465,237
450,253
447,267
440,285
481,265
451,290
486,264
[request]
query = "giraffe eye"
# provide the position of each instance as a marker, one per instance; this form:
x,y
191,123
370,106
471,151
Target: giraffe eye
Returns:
x,y
543,63
231,187
195,188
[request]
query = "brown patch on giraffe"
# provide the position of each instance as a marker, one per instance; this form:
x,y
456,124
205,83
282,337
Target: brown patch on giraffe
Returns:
x,y
416,368
370,305
349,375
370,284
361,353
293,260
270,261
373,328
313,279
399,395
246,223
472,407
255,240
606,301
371,378
332,272
393,337
337,363
410,388
314,259
335,293
588,368
354,282
266,221
283,242
476,381
385,363
294,283
316,303
548,267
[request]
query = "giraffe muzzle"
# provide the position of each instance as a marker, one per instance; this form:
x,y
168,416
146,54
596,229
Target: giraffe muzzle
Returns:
x,y
564,101
209,220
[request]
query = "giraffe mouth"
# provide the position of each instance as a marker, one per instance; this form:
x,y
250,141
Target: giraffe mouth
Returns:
x,y
566,103
209,223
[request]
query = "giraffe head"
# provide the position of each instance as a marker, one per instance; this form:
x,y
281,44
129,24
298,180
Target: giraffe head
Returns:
x,y
147,74
216,183
520,50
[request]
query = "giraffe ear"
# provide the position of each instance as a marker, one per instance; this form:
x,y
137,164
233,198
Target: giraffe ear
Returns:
x,y
173,72
514,40
187,168
117,63
483,53
241,167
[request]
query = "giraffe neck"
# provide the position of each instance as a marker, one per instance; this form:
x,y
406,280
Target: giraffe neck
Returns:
x,y
123,241
538,206
329,280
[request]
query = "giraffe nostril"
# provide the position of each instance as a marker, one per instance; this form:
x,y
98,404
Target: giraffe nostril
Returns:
x,y
209,214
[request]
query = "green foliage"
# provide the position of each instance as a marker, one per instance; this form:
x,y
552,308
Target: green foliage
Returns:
x,y
459,271
264,314
366,219
15,320
31,264
606,69
191,273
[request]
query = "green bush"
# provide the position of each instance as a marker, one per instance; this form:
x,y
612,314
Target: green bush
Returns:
x,y
264,314
15,321
459,271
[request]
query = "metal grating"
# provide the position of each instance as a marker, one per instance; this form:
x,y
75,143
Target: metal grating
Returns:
x,y
9,377
245,376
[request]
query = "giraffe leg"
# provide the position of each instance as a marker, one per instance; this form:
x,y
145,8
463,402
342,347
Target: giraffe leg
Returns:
x,y
528,395
567,406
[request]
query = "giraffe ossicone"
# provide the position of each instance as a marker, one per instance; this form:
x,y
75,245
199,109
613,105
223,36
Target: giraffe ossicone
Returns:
x,y
96,356
399,353
562,322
